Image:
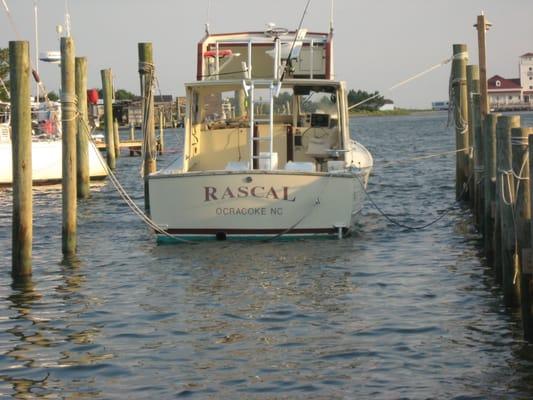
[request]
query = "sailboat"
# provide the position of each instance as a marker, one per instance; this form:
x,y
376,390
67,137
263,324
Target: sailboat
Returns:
x,y
268,152
46,139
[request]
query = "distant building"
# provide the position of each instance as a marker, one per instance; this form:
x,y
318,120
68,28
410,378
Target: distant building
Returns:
x,y
516,93
440,105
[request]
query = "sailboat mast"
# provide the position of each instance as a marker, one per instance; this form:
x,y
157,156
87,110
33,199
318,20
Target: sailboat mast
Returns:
x,y
331,16
36,27
67,19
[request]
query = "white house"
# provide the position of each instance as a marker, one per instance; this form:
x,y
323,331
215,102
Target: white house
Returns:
x,y
516,93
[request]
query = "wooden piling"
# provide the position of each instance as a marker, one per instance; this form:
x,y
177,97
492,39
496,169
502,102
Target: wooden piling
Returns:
x,y
22,234
489,146
526,283
161,132
116,138
70,126
479,167
82,155
132,131
506,203
474,159
460,112
108,117
482,27
522,208
146,73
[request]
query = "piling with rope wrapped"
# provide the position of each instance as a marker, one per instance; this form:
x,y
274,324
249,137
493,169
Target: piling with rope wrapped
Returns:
x,y
69,125
472,86
147,79
22,235
522,211
459,98
506,187
489,207
479,167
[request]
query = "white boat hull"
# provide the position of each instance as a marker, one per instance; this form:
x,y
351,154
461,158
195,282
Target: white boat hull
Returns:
x,y
46,163
222,204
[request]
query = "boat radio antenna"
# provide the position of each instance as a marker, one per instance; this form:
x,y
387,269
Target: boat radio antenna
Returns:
x,y
289,61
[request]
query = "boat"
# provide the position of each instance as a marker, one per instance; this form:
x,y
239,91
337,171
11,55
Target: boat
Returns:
x,y
46,148
267,149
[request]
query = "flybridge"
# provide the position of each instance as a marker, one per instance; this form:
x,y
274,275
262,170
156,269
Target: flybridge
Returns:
x,y
265,55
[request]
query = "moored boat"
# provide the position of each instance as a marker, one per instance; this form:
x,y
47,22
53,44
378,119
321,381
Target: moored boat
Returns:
x,y
46,150
267,149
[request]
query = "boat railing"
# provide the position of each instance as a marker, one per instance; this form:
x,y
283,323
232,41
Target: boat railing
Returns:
x,y
220,58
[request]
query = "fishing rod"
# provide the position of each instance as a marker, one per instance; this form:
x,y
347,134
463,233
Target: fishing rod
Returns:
x,y
289,61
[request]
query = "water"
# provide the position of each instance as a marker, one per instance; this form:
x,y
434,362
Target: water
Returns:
x,y
386,314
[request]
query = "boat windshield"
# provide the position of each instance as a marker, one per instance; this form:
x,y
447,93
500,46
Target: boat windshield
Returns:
x,y
228,107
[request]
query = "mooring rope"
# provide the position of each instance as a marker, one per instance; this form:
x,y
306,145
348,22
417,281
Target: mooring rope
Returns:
x,y
406,81
445,212
406,160
126,197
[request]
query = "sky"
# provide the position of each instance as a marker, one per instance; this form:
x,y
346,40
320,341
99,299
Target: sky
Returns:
x,y
378,43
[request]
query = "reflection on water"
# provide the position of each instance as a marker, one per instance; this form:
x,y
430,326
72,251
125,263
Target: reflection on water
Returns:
x,y
388,313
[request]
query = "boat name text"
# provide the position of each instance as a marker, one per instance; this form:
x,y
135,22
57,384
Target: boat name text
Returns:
x,y
212,193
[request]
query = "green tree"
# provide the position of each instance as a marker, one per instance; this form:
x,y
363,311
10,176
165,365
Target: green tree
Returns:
x,y
53,96
4,74
122,94
356,97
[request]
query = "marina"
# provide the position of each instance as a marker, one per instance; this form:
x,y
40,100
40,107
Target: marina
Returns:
x,y
271,241
387,313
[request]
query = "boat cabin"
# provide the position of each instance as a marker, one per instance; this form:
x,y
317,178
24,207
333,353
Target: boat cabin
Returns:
x,y
239,125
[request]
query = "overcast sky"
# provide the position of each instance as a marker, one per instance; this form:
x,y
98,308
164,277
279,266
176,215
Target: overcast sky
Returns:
x,y
378,43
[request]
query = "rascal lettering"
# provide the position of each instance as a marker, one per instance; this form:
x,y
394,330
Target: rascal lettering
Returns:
x,y
212,193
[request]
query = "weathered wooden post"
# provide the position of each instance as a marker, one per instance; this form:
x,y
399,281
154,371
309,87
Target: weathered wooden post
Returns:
x,y
161,132
19,72
479,167
472,86
82,155
490,206
482,28
108,117
460,113
147,74
526,284
116,138
70,126
520,143
507,203
132,131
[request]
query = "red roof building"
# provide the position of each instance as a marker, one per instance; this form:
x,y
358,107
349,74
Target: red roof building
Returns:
x,y
516,93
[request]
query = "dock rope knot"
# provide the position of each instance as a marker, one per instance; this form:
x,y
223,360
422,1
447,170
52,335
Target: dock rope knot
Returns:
x,y
69,104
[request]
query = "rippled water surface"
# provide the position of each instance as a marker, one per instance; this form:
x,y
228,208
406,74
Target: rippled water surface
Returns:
x,y
385,314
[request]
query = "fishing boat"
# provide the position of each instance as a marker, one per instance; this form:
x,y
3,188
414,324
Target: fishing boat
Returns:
x,y
46,148
267,148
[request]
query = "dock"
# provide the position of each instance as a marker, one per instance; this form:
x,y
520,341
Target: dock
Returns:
x,y
134,146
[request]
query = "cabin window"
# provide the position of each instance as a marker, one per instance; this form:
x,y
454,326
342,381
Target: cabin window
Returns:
x,y
318,106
